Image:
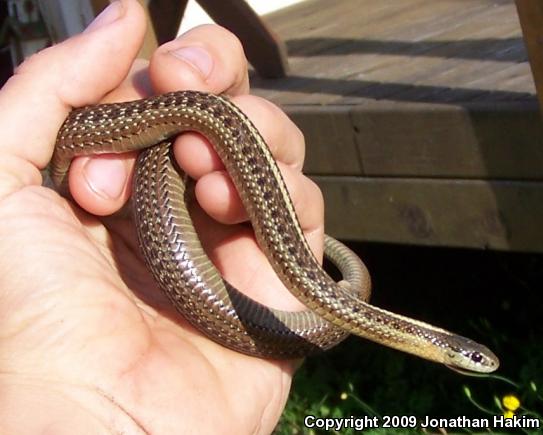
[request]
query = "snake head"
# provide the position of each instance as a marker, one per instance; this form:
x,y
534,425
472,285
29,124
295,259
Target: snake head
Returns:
x,y
465,355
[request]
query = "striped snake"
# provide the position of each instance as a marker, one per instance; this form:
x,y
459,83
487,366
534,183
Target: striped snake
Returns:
x,y
175,257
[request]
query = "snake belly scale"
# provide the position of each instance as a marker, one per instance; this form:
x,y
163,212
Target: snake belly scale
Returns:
x,y
175,257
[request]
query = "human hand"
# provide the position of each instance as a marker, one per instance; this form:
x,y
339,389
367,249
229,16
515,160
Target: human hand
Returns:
x,y
86,338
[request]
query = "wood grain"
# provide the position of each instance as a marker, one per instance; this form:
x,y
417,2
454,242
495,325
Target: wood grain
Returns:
x,y
531,19
500,215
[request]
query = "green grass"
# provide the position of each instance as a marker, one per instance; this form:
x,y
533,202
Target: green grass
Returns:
x,y
495,298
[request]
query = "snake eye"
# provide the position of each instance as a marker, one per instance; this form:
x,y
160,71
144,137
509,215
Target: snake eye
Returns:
x,y
476,357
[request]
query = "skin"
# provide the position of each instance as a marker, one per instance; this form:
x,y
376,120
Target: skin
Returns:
x,y
86,338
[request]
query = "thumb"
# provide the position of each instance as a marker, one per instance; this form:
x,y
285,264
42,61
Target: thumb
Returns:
x,y
80,71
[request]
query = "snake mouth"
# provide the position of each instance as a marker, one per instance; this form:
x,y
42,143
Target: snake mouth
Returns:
x,y
476,371
467,372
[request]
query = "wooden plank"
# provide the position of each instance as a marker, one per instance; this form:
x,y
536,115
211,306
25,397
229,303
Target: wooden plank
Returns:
x,y
266,51
530,13
354,51
500,215
329,79
423,140
149,43
330,139
99,5
427,69
166,17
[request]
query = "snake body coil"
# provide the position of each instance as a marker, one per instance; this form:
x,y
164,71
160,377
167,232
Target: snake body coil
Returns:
x,y
178,262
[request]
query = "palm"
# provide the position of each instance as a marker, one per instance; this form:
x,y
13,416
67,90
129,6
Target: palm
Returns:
x,y
106,327
86,336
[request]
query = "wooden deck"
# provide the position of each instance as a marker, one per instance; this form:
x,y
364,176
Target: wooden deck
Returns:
x,y
421,119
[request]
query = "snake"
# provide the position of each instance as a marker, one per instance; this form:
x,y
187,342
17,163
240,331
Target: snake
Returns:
x,y
170,247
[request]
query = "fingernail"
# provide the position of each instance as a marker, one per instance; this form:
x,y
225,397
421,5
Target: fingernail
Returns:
x,y
106,176
198,57
107,16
